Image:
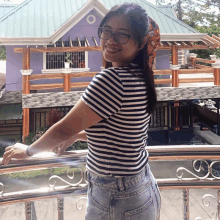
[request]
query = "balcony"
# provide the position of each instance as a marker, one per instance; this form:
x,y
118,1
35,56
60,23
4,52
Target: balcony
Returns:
x,y
188,177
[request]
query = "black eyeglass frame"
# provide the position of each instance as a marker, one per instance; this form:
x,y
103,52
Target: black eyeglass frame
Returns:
x,y
100,29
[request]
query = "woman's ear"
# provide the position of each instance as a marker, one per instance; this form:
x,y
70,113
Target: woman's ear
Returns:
x,y
144,42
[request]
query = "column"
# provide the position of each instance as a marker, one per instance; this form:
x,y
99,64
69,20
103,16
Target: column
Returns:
x,y
216,73
66,80
175,79
26,72
193,59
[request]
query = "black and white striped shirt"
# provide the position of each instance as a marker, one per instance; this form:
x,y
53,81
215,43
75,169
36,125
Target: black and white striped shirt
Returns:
x,y
116,145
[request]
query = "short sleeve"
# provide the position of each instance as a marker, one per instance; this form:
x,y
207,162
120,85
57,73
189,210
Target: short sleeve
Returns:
x,y
104,94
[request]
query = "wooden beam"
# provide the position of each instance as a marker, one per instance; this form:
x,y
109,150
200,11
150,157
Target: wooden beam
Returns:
x,y
217,76
183,43
216,38
162,72
210,43
96,44
199,66
46,76
87,42
26,123
47,86
204,43
165,47
60,75
79,84
26,90
195,80
215,42
162,81
79,42
26,59
83,74
61,49
175,62
71,43
195,71
66,83
204,60
97,48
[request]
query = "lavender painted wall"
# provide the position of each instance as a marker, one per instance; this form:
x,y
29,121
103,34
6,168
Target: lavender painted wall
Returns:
x,y
13,67
163,59
82,29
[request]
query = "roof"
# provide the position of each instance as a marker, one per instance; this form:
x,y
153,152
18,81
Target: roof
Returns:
x,y
11,112
5,8
168,9
35,22
11,97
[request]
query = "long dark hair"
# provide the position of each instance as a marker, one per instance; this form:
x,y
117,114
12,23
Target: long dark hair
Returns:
x,y
139,23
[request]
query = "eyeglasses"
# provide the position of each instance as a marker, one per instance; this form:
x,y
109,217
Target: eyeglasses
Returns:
x,y
106,34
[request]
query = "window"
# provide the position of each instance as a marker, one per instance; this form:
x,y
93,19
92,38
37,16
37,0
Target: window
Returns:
x,y
54,62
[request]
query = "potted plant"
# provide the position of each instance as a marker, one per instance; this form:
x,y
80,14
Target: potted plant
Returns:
x,y
68,60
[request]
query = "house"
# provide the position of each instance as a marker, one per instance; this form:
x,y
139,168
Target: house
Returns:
x,y
39,34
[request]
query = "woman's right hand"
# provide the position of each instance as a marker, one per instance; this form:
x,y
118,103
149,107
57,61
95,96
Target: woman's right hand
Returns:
x,y
62,148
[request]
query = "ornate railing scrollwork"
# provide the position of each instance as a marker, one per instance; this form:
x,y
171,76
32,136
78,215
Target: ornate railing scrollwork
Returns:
x,y
206,202
1,188
210,170
71,177
77,203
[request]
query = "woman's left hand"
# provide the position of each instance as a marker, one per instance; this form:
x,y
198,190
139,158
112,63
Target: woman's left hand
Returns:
x,y
17,151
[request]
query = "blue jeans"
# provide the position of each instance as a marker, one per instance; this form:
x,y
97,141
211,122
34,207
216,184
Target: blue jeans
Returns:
x,y
134,197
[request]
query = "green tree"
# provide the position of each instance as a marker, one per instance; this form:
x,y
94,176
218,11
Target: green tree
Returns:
x,y
2,53
203,16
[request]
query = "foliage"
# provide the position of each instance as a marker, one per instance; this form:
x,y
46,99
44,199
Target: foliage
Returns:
x,y
53,116
200,16
211,29
67,58
2,53
41,173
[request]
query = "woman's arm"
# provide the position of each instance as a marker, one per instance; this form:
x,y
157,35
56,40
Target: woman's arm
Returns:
x,y
78,119
81,136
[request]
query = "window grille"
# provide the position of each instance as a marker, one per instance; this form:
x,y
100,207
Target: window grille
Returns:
x,y
56,60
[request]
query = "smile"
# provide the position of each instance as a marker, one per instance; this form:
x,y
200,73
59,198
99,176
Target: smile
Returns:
x,y
112,50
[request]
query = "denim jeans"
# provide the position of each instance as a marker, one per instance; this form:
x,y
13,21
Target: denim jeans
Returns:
x,y
134,197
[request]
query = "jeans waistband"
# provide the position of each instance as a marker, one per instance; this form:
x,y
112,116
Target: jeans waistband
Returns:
x,y
112,182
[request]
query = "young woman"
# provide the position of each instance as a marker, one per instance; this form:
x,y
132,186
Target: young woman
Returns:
x,y
115,112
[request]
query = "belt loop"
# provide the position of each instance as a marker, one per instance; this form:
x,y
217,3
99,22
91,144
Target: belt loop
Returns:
x,y
146,169
120,184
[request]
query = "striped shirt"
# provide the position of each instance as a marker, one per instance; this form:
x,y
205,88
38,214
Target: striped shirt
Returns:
x,y
117,144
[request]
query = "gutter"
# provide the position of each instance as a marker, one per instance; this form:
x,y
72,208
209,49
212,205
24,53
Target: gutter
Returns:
x,y
182,37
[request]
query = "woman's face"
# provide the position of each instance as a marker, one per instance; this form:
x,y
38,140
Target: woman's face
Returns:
x,y
118,54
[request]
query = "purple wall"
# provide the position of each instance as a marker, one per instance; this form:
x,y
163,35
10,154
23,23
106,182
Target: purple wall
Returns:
x,y
13,67
81,29
163,59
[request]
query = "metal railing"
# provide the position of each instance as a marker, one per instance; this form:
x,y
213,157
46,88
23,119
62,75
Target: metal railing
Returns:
x,y
201,154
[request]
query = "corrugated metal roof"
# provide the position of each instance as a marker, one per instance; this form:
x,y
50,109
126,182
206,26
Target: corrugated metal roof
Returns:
x,y
5,8
168,9
41,18
11,112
